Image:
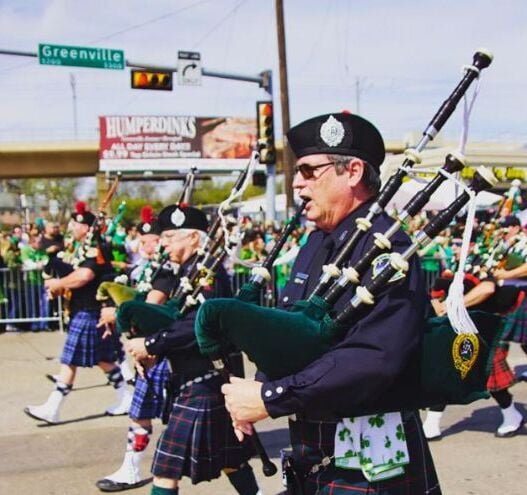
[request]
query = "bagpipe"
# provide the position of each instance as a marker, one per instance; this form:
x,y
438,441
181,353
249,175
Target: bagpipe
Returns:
x,y
140,319
284,342
281,342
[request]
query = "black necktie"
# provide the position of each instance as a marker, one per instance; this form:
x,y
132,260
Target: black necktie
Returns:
x,y
321,257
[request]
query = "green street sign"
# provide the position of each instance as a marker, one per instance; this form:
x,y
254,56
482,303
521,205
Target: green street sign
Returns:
x,y
80,56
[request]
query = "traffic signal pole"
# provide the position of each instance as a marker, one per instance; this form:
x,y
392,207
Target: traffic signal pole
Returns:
x,y
263,79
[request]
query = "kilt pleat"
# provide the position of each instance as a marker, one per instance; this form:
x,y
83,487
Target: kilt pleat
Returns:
x,y
501,376
199,441
515,325
84,344
147,401
313,440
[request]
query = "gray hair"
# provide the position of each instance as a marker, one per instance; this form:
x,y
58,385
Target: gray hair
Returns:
x,y
370,179
202,235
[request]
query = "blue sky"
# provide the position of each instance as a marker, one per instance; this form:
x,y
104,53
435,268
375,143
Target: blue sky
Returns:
x,y
407,56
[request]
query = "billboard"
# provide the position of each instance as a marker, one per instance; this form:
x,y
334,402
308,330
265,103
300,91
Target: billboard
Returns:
x,y
175,143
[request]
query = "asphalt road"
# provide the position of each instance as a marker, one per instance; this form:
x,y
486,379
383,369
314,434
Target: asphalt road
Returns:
x,y
68,458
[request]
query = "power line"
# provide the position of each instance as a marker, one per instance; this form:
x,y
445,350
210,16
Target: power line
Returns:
x,y
151,21
218,24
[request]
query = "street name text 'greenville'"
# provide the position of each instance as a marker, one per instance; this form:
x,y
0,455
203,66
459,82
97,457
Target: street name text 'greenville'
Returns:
x,y
74,53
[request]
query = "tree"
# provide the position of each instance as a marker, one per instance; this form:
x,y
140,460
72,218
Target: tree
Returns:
x,y
41,191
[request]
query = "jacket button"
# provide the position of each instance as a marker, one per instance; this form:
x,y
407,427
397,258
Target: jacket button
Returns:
x,y
279,390
286,298
268,393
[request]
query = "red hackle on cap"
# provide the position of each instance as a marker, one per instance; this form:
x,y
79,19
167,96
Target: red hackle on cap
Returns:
x,y
147,214
80,207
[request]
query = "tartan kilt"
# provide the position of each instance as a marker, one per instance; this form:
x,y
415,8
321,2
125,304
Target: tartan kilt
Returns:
x,y
515,325
313,440
199,441
147,401
84,344
501,376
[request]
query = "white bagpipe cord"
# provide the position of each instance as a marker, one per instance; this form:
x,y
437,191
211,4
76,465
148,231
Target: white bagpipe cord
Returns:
x,y
455,305
457,312
232,240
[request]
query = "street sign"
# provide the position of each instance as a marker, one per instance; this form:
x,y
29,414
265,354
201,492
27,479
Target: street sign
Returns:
x,y
188,68
81,56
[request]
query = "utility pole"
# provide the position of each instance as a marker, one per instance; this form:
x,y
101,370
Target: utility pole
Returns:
x,y
288,158
73,84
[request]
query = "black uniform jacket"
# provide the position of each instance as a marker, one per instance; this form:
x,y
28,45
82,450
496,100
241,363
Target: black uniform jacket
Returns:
x,y
178,342
376,366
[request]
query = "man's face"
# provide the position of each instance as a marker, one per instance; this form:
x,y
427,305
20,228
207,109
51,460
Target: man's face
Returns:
x,y
148,244
329,195
79,230
34,241
176,244
49,229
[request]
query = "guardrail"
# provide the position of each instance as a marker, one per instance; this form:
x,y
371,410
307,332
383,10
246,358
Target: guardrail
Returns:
x,y
23,301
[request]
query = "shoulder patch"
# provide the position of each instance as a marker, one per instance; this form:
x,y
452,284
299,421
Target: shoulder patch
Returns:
x,y
380,262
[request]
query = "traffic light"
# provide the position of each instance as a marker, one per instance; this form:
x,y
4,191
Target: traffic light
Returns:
x,y
144,79
264,115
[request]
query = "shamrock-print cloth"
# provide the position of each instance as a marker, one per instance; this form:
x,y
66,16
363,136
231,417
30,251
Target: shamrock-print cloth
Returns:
x,y
375,444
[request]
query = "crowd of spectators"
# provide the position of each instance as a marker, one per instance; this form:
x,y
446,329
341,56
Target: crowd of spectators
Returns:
x,y
24,252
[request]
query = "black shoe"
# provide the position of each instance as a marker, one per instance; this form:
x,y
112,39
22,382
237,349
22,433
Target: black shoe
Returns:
x,y
51,378
435,438
106,485
522,377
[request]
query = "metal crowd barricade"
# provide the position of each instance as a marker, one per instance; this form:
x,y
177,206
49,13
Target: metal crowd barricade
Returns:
x,y
432,273
23,300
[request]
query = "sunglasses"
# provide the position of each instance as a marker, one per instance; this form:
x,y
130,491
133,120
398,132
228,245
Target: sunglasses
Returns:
x,y
308,171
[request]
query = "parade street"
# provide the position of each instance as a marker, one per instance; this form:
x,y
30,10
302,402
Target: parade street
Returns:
x,y
68,458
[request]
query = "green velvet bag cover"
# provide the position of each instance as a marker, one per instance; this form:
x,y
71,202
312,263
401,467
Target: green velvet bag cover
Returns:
x,y
442,382
281,343
142,319
250,293
278,342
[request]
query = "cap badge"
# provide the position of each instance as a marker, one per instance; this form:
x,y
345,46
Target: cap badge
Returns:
x,y
332,131
79,218
146,228
177,218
